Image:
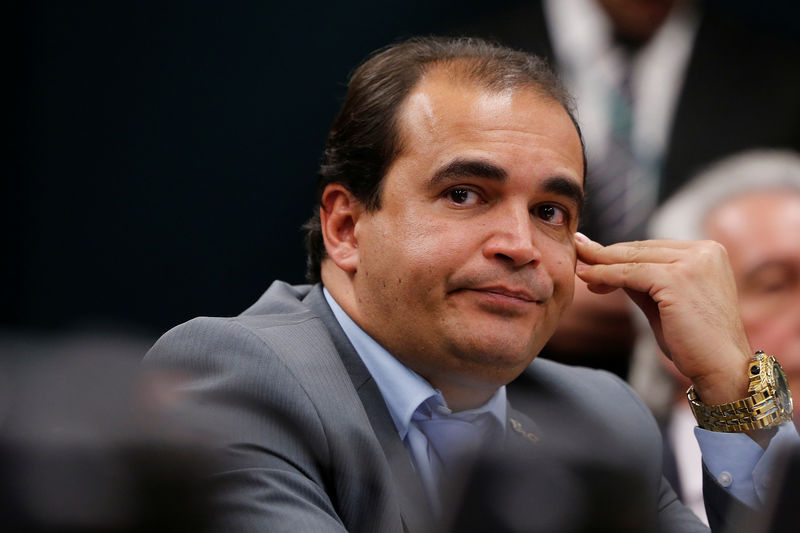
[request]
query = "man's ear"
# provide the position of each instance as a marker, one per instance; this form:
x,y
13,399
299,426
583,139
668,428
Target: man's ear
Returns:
x,y
339,212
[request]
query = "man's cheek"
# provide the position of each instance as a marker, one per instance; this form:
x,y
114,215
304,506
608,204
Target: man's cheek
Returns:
x,y
562,266
571,293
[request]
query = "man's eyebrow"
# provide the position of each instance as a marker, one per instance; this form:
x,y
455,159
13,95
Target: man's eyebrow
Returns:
x,y
464,168
564,187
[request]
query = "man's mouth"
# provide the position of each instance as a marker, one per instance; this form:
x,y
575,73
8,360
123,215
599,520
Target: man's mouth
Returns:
x,y
516,293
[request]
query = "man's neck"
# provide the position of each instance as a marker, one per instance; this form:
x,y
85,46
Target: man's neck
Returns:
x,y
459,396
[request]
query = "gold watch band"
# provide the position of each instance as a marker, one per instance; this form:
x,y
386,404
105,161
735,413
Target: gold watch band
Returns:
x,y
761,409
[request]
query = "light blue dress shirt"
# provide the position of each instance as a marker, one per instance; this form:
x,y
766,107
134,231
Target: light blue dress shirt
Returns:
x,y
742,466
734,459
406,393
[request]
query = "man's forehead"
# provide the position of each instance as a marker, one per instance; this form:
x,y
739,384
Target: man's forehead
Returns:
x,y
443,109
438,98
433,106
449,88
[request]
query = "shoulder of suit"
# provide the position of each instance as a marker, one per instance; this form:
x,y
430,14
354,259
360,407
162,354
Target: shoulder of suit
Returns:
x,y
552,371
278,324
581,387
589,409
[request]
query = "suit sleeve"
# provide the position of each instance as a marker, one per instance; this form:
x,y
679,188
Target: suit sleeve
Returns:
x,y
267,430
673,515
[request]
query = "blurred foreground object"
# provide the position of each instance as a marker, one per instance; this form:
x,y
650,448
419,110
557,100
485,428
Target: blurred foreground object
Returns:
x,y
559,486
86,443
781,514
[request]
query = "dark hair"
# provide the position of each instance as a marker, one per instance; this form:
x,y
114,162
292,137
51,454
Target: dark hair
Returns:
x,y
364,139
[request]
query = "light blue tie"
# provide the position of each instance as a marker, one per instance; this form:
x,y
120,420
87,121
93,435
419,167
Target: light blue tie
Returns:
x,y
453,438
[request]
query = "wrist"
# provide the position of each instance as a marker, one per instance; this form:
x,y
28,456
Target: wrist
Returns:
x,y
727,386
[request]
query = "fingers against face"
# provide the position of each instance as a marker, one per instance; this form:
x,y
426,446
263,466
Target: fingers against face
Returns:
x,y
688,293
640,265
655,251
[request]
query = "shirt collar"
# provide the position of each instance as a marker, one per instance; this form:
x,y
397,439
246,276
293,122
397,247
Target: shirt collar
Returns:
x,y
402,389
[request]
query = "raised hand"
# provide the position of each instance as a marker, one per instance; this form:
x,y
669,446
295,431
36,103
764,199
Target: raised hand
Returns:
x,y
687,291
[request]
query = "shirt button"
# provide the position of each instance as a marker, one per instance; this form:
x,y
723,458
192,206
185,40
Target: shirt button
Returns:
x,y
725,479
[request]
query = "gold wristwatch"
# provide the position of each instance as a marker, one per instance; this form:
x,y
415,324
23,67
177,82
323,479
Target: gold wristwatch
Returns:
x,y
768,402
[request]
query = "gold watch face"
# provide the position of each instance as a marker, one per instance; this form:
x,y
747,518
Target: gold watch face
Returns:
x,y
782,388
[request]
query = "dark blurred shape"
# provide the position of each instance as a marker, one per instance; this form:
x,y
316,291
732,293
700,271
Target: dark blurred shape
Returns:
x,y
561,485
87,443
781,513
784,513
551,492
164,153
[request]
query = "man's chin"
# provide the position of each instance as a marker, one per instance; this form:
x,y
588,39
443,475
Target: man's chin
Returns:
x,y
502,339
497,353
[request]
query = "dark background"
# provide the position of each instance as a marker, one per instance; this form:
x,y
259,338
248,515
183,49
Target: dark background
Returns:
x,y
163,154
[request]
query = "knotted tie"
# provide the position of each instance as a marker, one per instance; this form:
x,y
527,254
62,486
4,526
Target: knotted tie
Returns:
x,y
453,438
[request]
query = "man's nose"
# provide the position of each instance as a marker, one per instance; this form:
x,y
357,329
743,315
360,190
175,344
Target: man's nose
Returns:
x,y
512,238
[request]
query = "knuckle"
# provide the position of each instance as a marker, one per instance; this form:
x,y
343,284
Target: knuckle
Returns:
x,y
630,268
713,247
633,252
712,252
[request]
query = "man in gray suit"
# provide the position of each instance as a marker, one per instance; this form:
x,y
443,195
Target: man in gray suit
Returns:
x,y
442,255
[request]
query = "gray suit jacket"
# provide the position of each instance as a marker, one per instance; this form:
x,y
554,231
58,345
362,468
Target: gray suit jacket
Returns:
x,y
308,442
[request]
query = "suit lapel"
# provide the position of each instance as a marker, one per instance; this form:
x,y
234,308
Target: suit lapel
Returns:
x,y
414,508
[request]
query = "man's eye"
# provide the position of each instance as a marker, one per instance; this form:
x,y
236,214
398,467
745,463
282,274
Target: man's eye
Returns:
x,y
774,279
462,196
552,214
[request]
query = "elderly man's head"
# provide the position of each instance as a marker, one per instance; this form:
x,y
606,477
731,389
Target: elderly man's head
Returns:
x,y
750,203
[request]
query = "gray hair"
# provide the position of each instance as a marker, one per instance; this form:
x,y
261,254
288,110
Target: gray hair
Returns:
x,y
683,216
